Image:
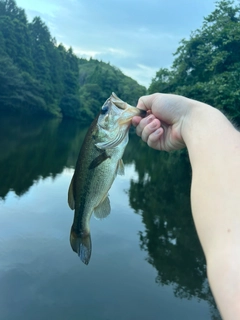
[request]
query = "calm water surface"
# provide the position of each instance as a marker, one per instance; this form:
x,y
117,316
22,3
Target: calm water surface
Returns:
x,y
146,261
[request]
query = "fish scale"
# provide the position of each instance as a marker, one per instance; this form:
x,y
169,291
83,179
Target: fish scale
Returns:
x,y
99,161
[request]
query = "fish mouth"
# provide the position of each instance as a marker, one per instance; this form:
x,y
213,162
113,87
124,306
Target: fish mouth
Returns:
x,y
129,113
120,104
123,124
122,114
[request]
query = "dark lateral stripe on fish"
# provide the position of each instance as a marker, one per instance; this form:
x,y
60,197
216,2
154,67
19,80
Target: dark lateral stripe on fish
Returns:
x,y
78,224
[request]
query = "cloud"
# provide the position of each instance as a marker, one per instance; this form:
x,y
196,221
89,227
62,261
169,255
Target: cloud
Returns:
x,y
127,33
141,72
84,53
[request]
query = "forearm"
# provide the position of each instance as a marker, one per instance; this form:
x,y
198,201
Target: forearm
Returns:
x,y
214,150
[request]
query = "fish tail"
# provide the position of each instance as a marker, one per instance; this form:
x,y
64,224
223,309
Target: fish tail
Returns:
x,y
82,245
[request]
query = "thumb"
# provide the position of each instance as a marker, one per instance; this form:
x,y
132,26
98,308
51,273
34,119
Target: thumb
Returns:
x,y
146,102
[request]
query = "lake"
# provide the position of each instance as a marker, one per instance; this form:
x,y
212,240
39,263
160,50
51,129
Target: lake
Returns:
x,y
146,260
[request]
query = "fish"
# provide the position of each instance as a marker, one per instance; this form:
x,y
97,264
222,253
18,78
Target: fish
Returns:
x,y
98,163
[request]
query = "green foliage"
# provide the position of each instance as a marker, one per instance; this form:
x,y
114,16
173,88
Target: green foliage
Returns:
x,y
37,75
31,149
27,55
98,80
207,66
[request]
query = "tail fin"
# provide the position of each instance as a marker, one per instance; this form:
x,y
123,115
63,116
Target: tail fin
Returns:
x,y
82,245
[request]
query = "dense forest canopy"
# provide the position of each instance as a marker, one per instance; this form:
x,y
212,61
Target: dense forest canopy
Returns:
x,y
98,79
39,75
207,65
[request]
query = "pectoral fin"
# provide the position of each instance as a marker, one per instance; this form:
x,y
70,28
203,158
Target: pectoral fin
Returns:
x,y
98,160
120,168
103,209
71,200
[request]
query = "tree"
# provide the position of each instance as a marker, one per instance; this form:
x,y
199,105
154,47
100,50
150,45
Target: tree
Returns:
x,y
207,66
37,75
98,80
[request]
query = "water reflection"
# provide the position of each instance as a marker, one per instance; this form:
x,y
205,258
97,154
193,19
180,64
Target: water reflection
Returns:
x,y
32,150
161,194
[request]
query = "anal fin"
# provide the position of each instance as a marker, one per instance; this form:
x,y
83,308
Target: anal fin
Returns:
x,y
103,209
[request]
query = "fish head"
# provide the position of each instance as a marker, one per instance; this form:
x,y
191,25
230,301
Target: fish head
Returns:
x,y
115,112
115,119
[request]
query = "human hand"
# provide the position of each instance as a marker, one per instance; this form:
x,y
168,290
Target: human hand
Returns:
x,y
162,129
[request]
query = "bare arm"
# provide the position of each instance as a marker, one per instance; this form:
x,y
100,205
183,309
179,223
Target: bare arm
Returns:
x,y
214,150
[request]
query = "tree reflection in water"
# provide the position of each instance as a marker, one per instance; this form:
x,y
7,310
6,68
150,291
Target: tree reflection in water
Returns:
x,y
161,195
33,148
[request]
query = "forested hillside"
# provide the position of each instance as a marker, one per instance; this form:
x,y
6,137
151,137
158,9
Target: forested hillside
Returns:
x,y
37,75
207,65
98,79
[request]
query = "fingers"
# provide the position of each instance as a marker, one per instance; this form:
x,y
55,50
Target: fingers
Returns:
x,y
161,129
141,104
136,120
143,123
154,139
150,130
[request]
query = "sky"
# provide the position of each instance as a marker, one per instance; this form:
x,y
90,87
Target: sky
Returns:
x,y
138,37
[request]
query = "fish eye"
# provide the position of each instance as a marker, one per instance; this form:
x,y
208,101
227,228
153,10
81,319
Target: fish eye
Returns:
x,y
104,110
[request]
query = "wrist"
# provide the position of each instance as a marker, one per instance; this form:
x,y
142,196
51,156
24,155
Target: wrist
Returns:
x,y
207,133
201,124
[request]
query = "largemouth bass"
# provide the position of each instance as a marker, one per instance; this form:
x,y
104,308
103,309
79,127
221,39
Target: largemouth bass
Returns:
x,y
99,161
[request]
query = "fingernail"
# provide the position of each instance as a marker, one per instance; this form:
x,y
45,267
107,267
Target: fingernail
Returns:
x,y
158,131
149,119
153,125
